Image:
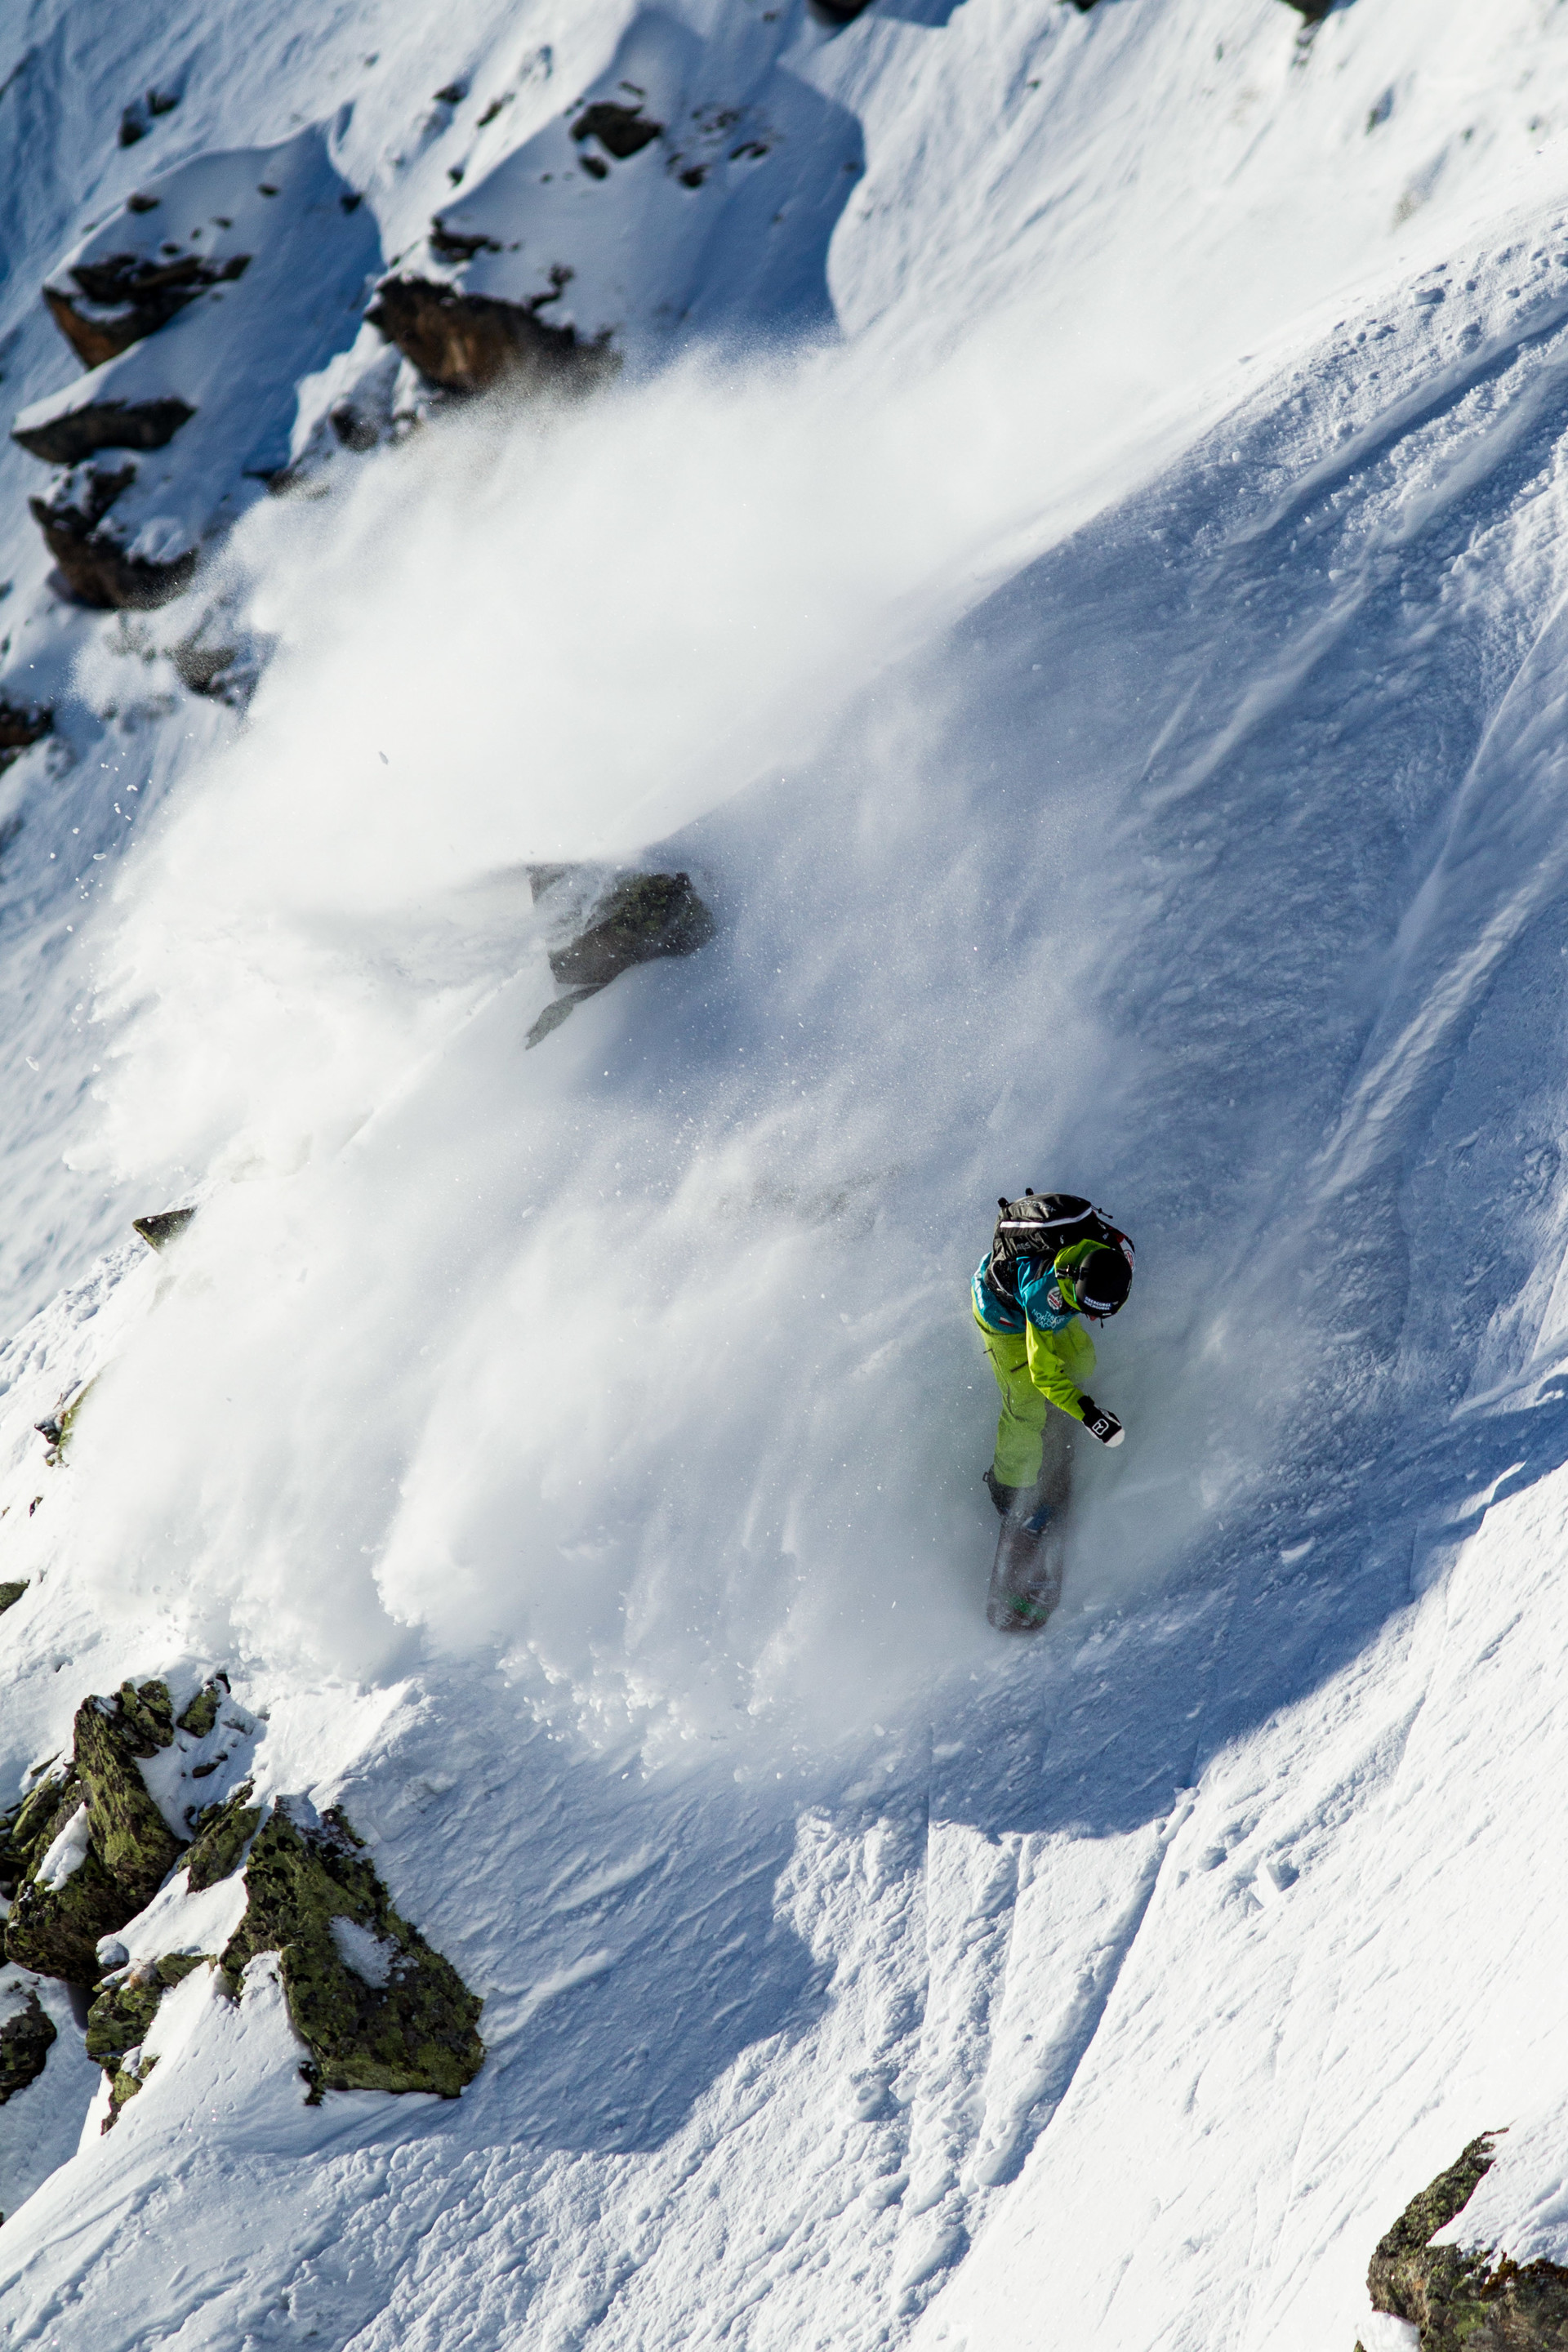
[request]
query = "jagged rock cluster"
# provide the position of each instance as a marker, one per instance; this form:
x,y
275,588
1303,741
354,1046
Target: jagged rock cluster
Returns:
x,y
1463,2298
88,1849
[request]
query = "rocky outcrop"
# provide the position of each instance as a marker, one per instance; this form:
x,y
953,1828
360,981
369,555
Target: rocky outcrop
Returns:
x,y
94,1847
24,2041
162,1227
96,566
473,343
79,433
21,725
644,917
380,2010
11,1592
1465,2299
118,2020
114,303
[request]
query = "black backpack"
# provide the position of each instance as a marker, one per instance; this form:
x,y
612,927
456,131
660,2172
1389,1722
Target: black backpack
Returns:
x,y
1039,1225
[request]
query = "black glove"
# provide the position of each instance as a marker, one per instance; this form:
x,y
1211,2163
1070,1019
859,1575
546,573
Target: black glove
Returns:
x,y
1101,1424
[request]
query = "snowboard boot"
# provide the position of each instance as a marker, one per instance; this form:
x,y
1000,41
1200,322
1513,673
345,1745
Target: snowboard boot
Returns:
x,y
1003,1497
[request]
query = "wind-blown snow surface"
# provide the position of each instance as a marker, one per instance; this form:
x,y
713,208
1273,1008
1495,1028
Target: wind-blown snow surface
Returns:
x,y
1114,762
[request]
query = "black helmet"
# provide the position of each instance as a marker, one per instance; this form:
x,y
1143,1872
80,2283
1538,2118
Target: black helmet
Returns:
x,y
1100,1282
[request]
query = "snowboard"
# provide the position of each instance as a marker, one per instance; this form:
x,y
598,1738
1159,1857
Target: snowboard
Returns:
x,y
1026,1577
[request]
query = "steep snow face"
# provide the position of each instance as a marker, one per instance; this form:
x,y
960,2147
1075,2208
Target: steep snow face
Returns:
x,y
1114,761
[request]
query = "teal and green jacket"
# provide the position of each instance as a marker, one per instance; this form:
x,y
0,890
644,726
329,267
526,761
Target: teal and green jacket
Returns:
x,y
1060,1353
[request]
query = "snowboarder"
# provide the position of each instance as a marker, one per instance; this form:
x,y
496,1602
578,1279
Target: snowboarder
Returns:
x,y
1053,1260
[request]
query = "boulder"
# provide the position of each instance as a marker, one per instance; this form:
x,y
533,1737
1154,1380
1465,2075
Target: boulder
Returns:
x,y
379,2008
1465,2299
11,1592
473,342
645,916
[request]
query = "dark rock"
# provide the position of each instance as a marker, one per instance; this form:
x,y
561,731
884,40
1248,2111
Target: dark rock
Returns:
x,y
134,122
645,917
414,2031
470,342
81,433
352,430
131,295
25,2040
555,1013
223,1832
844,12
96,566
1312,11
161,1226
452,94
1465,2299
20,727
11,1592
131,1848
621,130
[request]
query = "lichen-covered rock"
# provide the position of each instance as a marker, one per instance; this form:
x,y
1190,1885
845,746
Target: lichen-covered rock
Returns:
x,y
1463,2298
22,725
29,1828
223,1832
471,343
201,1713
55,1927
646,916
25,2040
11,1592
380,2010
127,2004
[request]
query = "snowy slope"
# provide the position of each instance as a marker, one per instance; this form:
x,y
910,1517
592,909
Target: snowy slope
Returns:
x,y
1114,761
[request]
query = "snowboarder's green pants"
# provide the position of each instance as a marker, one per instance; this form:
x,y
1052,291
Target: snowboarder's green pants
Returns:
x,y
1020,1432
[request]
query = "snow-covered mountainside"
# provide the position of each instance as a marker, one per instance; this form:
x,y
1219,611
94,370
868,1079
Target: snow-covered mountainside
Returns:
x,y
658,649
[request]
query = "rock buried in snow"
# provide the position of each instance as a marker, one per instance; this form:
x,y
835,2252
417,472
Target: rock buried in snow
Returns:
x,y
11,1592
645,917
162,1227
1462,2298
471,343
25,2040
402,2022
69,434
21,726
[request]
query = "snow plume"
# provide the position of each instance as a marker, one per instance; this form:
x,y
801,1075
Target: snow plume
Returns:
x,y
641,1361
635,1357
